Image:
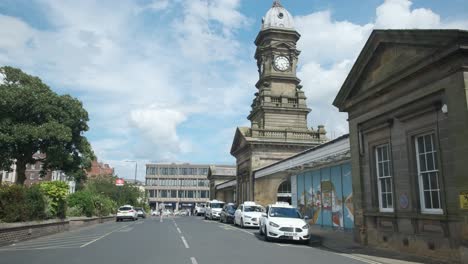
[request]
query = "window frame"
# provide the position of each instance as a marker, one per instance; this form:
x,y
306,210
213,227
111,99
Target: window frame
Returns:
x,y
423,207
379,178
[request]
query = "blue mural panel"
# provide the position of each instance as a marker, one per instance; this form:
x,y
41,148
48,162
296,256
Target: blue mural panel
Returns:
x,y
308,193
348,209
337,197
327,194
300,193
316,197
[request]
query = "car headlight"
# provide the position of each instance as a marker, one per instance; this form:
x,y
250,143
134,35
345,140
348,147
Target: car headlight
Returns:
x,y
306,226
273,224
246,216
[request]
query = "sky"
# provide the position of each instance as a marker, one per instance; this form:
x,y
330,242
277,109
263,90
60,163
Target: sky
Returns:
x,y
170,80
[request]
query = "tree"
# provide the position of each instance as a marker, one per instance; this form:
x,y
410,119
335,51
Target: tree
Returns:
x,y
35,119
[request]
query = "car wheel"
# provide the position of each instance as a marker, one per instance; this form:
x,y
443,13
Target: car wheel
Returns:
x,y
260,231
206,217
267,238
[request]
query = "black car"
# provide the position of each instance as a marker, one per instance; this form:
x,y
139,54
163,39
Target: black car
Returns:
x,y
227,214
141,212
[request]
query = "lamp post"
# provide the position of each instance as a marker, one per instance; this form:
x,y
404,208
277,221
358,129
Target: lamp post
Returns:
x,y
136,169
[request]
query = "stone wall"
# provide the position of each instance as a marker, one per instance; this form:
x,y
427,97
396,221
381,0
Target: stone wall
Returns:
x,y
14,232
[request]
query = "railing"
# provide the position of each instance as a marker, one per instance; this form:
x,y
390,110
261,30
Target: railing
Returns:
x,y
287,134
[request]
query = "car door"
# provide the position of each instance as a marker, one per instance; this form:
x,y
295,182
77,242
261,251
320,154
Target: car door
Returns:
x,y
263,219
238,214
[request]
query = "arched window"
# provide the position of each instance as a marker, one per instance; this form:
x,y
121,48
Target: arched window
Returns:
x,y
285,187
284,192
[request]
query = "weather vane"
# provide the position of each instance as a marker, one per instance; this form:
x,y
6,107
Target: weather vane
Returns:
x,y
277,3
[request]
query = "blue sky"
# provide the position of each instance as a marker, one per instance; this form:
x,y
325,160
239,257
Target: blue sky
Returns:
x,y
170,80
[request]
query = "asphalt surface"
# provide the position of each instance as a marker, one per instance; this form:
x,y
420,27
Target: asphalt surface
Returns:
x,y
190,240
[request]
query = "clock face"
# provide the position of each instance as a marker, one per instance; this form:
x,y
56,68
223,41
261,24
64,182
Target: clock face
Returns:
x,y
281,63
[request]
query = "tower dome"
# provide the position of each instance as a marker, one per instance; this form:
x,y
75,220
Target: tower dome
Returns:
x,y
277,17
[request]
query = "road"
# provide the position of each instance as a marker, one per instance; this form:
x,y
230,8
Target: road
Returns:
x,y
190,240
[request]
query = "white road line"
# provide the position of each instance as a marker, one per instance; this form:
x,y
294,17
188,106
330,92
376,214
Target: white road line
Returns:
x,y
185,242
194,260
238,229
360,259
103,236
178,230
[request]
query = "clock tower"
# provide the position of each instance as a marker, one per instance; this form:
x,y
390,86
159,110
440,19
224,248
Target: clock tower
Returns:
x,y
280,103
279,111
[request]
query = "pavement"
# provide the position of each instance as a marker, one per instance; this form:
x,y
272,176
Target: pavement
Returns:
x,y
190,240
342,241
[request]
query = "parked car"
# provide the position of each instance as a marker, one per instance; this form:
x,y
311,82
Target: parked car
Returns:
x,y
248,214
213,209
227,214
199,209
154,213
141,212
282,221
126,212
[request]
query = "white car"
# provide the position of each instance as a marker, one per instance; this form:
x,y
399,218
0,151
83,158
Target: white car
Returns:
x,y
213,209
282,221
199,209
248,214
126,212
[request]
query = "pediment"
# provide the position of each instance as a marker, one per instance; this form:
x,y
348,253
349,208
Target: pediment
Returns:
x,y
390,55
240,140
388,60
283,45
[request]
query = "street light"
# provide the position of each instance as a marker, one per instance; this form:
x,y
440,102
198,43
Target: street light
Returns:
x,y
136,168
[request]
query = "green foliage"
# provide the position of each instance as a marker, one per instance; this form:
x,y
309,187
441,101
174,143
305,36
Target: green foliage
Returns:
x,y
127,194
57,192
19,203
82,201
34,119
13,203
87,203
35,203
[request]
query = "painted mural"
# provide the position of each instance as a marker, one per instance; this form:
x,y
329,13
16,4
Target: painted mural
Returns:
x,y
326,197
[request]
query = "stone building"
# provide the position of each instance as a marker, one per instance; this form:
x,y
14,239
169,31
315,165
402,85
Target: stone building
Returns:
x,y
9,177
227,190
218,175
279,111
407,102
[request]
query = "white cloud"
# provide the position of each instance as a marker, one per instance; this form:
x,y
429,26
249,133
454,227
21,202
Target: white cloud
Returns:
x,y
205,33
158,5
158,127
328,41
2,77
397,14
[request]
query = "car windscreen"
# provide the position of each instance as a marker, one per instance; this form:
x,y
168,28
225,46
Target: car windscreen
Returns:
x,y
125,208
285,212
253,209
232,209
217,205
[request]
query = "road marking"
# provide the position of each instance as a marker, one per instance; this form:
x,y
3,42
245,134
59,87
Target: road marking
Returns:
x,y
194,260
359,258
185,242
103,236
238,229
139,223
126,230
178,230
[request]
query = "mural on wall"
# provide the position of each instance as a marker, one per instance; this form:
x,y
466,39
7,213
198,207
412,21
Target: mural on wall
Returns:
x,y
325,196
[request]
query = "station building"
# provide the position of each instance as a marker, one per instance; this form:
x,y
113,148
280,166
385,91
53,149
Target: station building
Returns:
x,y
407,103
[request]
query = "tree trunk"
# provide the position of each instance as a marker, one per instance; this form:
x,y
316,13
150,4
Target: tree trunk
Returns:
x,y
20,172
